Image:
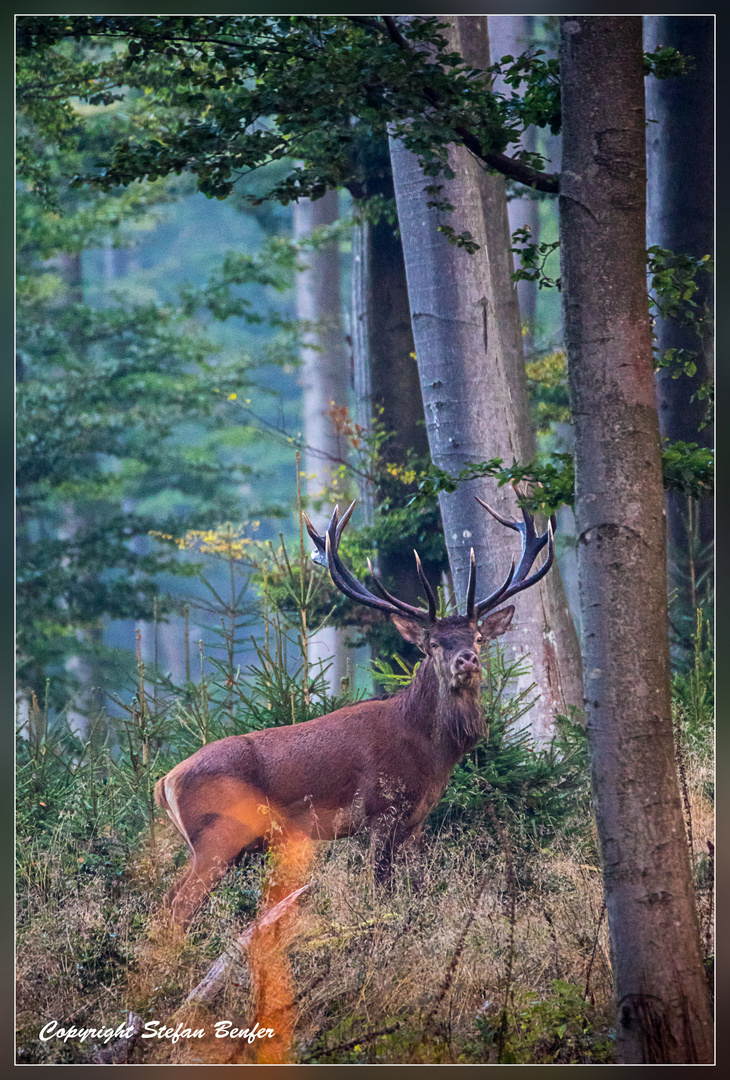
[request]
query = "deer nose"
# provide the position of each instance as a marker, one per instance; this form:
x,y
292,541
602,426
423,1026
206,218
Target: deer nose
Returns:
x,y
466,661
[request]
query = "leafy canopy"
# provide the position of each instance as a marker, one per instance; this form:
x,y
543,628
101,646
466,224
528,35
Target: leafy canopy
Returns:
x,y
232,93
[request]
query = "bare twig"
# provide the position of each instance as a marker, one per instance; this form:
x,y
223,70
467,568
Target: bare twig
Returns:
x,y
234,956
595,946
681,769
118,1052
369,1036
451,970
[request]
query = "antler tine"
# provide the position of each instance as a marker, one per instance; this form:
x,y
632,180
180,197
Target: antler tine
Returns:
x,y
432,605
311,529
532,545
345,518
472,586
327,553
508,590
320,555
403,607
502,520
534,578
345,581
494,598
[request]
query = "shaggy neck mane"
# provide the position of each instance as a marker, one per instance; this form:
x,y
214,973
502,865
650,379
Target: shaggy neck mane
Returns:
x,y
456,716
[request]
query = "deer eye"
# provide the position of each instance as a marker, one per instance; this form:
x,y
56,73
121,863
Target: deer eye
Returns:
x,y
479,639
435,645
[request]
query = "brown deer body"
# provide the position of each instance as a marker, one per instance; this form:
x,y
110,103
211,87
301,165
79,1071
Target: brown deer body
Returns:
x,y
380,764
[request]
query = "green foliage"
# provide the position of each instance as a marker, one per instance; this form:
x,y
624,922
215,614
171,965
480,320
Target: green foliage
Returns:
x,y
676,293
535,81
693,690
124,418
674,281
533,258
234,93
688,469
547,384
553,481
102,408
665,62
562,1028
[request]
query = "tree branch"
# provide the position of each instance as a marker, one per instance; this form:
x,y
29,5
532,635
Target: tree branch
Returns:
x,y
501,163
234,956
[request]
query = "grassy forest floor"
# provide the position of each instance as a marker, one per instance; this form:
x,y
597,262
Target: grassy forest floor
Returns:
x,y
487,948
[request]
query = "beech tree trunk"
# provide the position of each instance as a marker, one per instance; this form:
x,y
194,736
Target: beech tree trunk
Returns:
x,y
324,379
661,993
680,161
511,35
466,328
385,369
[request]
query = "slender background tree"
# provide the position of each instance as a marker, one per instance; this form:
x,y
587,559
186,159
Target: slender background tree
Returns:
x,y
387,390
325,381
680,219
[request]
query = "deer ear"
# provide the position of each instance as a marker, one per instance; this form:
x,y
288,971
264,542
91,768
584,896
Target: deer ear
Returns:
x,y
410,630
496,623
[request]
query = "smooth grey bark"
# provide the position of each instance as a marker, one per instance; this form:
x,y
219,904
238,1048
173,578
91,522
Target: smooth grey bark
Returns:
x,y
661,993
385,369
324,379
680,216
466,328
511,35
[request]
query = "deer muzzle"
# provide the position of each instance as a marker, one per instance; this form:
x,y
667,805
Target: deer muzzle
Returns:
x,y
465,669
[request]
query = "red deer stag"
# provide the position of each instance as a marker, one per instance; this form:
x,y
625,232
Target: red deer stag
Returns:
x,y
380,764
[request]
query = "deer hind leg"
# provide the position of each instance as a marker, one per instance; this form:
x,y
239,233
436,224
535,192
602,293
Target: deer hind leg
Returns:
x,y
205,872
217,841
226,818
391,841
215,850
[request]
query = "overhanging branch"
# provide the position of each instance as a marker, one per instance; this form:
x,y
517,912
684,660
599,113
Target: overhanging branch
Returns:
x,y
501,163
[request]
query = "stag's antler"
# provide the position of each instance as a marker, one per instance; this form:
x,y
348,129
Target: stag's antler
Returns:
x,y
515,582
327,554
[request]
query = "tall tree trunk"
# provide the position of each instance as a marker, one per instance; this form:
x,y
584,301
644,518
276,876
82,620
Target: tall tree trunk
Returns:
x,y
680,161
511,35
385,370
324,379
661,992
467,333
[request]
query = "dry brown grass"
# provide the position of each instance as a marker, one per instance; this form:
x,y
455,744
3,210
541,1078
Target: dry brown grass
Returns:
x,y
357,959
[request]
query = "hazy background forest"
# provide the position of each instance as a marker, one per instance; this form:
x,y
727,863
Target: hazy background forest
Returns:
x,y
193,372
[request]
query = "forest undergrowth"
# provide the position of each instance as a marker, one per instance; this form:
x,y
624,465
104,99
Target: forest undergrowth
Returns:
x,y
491,944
